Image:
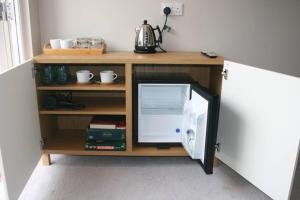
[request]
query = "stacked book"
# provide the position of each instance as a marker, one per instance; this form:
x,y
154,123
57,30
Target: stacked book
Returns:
x,y
106,133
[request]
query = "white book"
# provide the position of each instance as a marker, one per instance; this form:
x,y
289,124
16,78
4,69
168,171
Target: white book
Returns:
x,y
103,126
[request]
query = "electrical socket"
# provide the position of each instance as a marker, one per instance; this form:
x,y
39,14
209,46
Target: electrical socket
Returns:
x,y
176,8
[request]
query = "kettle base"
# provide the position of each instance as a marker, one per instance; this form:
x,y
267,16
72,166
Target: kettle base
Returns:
x,y
145,51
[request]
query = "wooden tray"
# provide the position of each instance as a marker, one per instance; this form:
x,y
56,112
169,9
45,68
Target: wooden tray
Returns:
x,y
74,51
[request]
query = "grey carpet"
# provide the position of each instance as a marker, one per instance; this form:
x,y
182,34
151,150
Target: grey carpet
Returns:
x,y
141,178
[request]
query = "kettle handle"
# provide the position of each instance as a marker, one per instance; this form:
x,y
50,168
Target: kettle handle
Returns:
x,y
160,34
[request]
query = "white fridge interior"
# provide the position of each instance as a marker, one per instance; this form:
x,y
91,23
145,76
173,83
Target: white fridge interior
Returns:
x,y
173,113
161,112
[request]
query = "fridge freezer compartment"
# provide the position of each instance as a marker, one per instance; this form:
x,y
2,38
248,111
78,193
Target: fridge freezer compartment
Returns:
x,y
162,96
161,111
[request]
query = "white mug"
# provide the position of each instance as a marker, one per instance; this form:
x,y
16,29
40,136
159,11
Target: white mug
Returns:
x,y
108,76
55,43
66,43
84,76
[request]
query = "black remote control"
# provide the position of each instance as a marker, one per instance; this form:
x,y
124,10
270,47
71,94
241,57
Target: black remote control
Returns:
x,y
209,54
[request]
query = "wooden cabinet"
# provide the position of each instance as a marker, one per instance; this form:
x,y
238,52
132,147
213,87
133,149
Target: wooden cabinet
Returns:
x,y
63,130
258,125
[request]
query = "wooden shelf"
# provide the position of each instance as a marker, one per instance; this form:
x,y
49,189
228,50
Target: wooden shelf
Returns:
x,y
104,106
133,58
72,142
85,87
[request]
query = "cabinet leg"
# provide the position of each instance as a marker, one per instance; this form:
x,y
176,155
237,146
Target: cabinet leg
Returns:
x,y
216,162
46,160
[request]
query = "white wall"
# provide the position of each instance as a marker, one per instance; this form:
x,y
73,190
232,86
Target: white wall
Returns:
x,y
30,29
35,26
258,32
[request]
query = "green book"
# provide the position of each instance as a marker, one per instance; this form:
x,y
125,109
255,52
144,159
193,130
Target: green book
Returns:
x,y
106,134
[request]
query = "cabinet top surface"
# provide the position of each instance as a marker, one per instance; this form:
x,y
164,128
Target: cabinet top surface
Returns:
x,y
130,57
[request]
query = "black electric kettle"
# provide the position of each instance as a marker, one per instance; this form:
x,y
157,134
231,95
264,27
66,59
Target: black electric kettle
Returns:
x,y
145,39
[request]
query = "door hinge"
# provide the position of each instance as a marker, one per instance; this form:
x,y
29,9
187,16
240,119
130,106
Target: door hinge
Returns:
x,y
42,143
218,147
34,71
225,74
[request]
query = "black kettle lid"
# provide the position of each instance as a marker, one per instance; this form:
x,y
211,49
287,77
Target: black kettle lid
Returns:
x,y
145,22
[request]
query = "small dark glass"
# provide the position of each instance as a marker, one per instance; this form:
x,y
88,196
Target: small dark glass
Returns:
x,y
63,74
48,75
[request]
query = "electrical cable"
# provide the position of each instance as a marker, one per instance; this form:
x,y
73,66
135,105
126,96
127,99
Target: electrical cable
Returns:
x,y
166,11
164,26
163,51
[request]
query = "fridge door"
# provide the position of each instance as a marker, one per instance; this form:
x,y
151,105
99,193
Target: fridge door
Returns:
x,y
20,131
200,126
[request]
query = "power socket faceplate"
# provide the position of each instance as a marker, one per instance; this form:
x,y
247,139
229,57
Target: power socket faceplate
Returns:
x,y
176,8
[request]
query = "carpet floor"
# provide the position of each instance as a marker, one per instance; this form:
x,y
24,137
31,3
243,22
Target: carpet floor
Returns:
x,y
135,178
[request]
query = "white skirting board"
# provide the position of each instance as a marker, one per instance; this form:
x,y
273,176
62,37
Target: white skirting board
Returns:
x,y
259,128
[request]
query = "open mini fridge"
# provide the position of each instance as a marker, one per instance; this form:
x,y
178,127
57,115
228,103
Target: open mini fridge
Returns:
x,y
170,113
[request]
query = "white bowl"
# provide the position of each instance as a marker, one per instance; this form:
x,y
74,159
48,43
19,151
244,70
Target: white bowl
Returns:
x,y
66,43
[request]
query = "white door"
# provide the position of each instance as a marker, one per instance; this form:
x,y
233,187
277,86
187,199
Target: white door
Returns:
x,y
259,127
19,127
200,122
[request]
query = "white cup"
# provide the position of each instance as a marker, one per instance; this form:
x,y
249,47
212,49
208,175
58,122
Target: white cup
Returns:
x,y
55,43
108,76
66,43
84,76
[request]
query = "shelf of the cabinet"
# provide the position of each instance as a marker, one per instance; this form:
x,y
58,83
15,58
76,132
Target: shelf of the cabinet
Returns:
x,y
153,151
85,87
72,142
104,106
